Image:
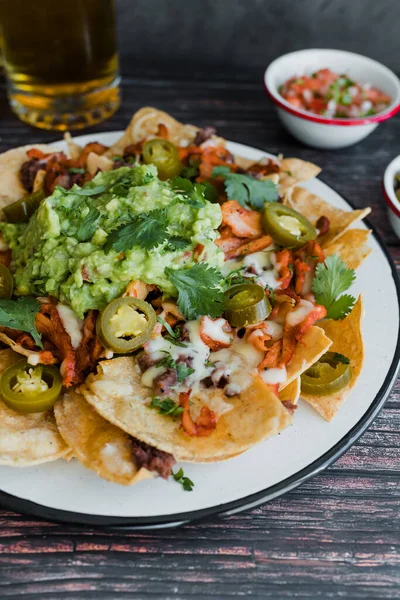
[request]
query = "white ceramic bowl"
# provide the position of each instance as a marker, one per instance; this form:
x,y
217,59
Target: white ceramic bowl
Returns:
x,y
391,199
324,132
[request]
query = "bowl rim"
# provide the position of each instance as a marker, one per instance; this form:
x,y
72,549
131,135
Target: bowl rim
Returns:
x,y
273,93
387,185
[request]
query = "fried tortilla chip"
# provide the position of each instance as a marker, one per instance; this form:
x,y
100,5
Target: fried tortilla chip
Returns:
x,y
313,345
291,393
145,124
313,207
96,443
294,171
255,415
11,187
27,440
351,246
347,339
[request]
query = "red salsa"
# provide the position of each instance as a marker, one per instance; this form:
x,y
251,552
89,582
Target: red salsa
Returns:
x,y
332,95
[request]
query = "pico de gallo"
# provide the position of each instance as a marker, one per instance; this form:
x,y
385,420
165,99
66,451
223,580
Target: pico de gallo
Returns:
x,y
334,95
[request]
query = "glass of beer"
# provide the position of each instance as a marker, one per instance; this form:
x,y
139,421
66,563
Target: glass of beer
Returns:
x,y
61,61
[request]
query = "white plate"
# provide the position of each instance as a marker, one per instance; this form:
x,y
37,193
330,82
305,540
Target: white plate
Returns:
x,y
69,492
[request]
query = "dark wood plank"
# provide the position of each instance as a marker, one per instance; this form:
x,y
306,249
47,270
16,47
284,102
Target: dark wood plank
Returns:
x,y
336,536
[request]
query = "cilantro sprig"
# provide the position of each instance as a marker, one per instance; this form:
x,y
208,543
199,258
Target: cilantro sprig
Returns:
x,y
199,290
182,370
20,314
166,406
249,192
88,225
146,230
185,482
332,278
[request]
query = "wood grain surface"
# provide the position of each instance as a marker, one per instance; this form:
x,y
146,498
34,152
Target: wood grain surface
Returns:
x,y
336,536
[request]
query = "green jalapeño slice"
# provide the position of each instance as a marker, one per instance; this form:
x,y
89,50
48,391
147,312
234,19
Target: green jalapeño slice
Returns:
x,y
126,324
287,226
327,376
164,155
246,304
29,389
22,210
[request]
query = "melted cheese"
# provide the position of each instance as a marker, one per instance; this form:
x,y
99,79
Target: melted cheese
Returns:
x,y
72,325
274,329
33,359
261,264
274,376
300,313
150,374
214,330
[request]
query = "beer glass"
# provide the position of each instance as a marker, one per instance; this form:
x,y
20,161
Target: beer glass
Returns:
x,y
61,61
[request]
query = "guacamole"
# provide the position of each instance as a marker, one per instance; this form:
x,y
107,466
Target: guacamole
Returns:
x,y
63,252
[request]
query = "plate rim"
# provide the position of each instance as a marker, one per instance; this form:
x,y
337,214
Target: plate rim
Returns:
x,y
28,507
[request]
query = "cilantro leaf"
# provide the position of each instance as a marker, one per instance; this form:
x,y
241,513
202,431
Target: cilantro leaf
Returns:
x,y
84,191
332,278
175,242
146,231
249,192
341,307
167,327
199,290
20,314
186,483
88,225
193,192
166,406
183,371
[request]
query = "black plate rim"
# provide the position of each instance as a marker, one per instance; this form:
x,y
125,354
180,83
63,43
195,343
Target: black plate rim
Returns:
x,y
27,507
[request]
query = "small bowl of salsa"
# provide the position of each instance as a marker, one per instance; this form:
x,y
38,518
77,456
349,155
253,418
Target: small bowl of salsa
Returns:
x,y
391,193
331,98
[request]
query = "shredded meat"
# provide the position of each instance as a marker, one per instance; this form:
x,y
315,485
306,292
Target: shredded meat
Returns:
x,y
265,167
163,383
322,225
203,135
289,406
152,459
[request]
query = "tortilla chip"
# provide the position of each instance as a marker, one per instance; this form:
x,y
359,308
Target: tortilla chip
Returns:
x,y
27,440
144,125
347,339
294,171
313,345
291,392
313,207
11,187
351,246
96,443
74,150
255,415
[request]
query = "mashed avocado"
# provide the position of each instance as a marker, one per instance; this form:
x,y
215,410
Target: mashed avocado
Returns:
x,y
61,251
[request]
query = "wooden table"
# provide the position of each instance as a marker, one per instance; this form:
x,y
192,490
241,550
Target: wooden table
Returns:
x,y
336,536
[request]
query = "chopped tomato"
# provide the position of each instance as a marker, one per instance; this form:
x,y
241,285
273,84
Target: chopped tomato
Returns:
x,y
332,95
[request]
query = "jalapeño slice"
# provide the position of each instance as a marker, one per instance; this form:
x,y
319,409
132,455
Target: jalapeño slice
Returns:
x,y
328,375
287,226
6,283
164,155
29,389
125,324
22,210
246,304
